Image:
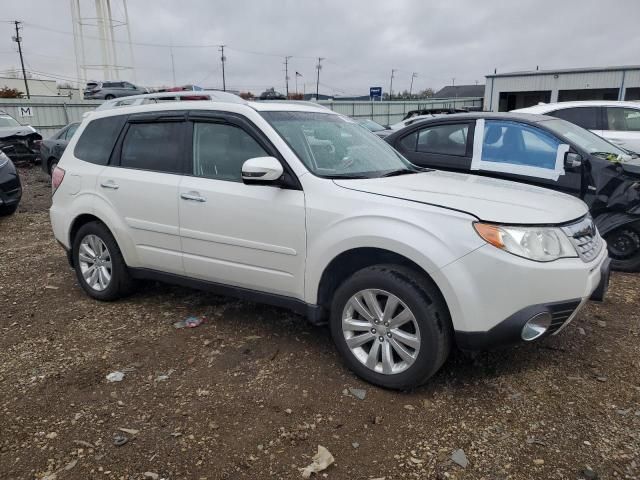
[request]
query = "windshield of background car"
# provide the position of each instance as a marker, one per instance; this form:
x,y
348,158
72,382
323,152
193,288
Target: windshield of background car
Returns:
x,y
7,121
333,146
584,139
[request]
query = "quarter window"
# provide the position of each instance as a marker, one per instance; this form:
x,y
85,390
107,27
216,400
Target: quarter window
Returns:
x,y
623,119
153,146
98,139
585,117
219,150
448,139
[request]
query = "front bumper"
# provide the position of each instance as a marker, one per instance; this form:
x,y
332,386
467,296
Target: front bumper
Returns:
x,y
492,294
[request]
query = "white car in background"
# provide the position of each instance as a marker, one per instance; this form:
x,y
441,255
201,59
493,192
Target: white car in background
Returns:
x,y
618,122
300,207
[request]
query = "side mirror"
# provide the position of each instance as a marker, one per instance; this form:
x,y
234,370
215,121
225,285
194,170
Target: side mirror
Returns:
x,y
572,160
261,170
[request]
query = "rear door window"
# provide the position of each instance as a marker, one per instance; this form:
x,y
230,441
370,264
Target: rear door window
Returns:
x,y
155,146
98,139
622,119
449,139
70,131
585,117
518,148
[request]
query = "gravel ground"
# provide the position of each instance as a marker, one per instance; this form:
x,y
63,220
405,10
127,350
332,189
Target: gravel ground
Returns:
x,y
252,392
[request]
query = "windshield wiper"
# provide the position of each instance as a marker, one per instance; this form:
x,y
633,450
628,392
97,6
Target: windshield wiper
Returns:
x,y
405,171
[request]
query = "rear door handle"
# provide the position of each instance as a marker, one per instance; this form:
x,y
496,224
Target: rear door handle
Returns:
x,y
110,184
193,196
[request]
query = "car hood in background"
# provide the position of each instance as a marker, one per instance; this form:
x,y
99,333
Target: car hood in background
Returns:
x,y
488,199
21,131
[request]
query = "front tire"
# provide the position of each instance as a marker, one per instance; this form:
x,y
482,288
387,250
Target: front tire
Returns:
x,y
99,265
6,211
624,248
391,326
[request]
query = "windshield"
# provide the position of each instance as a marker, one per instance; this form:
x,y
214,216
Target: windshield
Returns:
x,y
371,125
334,146
584,139
7,121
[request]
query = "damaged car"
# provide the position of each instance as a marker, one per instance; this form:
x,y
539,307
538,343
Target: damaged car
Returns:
x,y
10,186
544,151
18,142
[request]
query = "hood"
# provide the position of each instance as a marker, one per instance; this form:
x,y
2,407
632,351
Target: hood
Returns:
x,y
488,199
19,131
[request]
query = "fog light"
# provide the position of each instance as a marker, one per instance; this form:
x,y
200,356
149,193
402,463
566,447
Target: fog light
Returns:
x,y
536,326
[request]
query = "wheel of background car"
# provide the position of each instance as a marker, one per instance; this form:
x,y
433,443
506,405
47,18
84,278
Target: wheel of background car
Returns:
x,y
109,97
6,211
624,248
99,265
390,329
53,163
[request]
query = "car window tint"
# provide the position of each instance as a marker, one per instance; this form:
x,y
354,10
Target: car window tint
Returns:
x,y
518,144
153,146
623,119
585,117
408,143
448,139
70,131
219,150
98,138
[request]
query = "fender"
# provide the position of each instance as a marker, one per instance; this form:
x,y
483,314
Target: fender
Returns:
x,y
609,221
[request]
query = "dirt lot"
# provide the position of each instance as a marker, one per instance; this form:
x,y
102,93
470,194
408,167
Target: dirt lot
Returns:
x,y
253,391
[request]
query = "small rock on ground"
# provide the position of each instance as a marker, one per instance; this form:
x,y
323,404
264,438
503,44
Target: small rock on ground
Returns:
x,y
458,457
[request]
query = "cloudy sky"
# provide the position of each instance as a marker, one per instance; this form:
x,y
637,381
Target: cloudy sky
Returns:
x,y
361,40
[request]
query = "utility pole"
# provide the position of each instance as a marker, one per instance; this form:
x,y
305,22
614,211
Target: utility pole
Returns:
x,y
391,84
18,40
413,75
173,67
286,74
318,67
223,59
453,81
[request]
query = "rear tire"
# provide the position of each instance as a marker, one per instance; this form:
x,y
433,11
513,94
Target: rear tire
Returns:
x,y
624,248
99,265
396,355
6,211
109,97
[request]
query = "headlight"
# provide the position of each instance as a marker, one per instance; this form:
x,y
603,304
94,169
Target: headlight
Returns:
x,y
542,244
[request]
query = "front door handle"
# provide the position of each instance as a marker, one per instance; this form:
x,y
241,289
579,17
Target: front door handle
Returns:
x,y
193,196
110,184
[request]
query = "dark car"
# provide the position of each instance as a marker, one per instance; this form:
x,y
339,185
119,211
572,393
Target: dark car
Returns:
x,y
539,150
10,187
17,141
52,148
271,94
111,89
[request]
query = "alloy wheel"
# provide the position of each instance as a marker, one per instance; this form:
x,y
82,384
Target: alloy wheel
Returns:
x,y
95,262
381,331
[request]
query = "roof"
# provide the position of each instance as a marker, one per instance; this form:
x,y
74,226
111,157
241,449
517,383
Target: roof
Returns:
x,y
232,106
453,91
550,107
525,117
524,73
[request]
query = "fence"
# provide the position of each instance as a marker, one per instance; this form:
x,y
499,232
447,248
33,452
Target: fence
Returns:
x,y
49,114
387,113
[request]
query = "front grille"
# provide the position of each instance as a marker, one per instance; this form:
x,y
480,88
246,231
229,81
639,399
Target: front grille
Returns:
x,y
585,238
560,313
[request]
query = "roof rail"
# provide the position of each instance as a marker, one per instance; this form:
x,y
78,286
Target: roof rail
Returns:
x,y
295,102
213,95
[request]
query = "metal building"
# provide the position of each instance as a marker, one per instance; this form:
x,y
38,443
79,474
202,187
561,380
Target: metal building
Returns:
x,y
508,91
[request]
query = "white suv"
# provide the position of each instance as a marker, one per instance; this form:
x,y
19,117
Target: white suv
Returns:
x,y
301,207
618,122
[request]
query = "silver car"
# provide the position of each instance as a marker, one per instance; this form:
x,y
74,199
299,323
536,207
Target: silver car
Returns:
x,y
111,89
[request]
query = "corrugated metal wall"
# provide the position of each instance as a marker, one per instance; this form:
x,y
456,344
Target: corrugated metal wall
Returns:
x,y
387,113
48,114
51,114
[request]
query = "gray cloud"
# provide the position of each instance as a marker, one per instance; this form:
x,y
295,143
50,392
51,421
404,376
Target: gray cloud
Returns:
x,y
361,40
